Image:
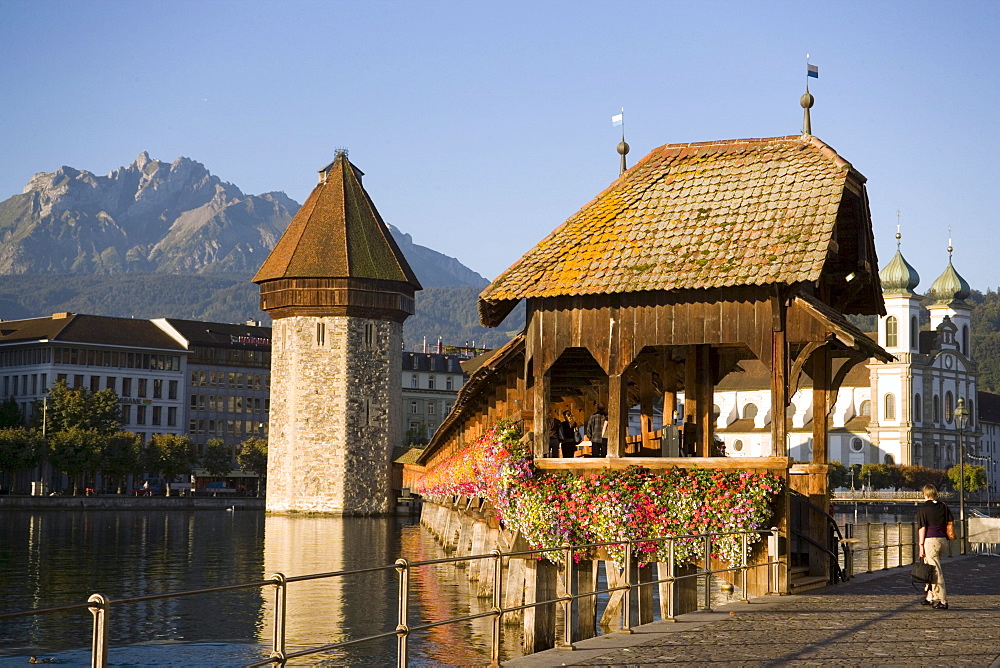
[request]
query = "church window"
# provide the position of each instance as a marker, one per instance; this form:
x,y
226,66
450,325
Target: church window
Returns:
x,y
914,332
937,408
965,340
916,408
865,410
972,415
949,407
890,407
891,331
749,411
857,445
738,445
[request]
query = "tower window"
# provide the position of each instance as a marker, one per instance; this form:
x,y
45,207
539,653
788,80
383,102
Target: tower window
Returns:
x,y
916,408
937,408
369,334
890,407
865,409
965,340
914,332
320,333
749,411
891,332
949,407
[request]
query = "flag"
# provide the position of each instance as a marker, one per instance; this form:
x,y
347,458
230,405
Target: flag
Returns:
x,y
812,71
617,120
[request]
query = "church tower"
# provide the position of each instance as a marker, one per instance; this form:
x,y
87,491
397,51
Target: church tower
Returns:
x,y
950,292
338,289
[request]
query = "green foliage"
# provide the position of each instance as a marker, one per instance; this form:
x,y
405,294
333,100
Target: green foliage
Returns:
x,y
417,435
252,458
840,475
881,476
20,449
915,477
218,459
975,478
76,451
170,455
120,456
10,414
81,408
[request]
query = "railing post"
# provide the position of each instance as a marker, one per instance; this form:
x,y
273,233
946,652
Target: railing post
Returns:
x,y
672,589
868,539
627,599
849,551
497,608
708,572
280,601
772,557
99,638
403,602
567,642
899,543
885,545
746,567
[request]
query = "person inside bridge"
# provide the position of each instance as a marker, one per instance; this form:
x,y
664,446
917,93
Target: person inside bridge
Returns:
x,y
933,518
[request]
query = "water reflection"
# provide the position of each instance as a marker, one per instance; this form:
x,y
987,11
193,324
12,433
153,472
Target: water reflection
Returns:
x,y
50,558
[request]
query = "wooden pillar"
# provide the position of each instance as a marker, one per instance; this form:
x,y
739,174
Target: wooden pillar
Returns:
x,y
539,621
617,414
645,593
821,398
540,401
698,396
646,408
779,376
585,573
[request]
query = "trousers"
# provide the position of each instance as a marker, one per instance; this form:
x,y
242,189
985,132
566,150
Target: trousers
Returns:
x,y
934,548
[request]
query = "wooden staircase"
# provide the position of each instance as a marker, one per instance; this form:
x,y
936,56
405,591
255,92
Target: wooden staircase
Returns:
x,y
800,581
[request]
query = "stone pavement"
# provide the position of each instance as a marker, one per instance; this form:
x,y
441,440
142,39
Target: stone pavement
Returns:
x,y
874,620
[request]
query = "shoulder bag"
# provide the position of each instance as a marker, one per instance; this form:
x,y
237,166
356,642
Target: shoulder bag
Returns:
x,y
922,573
950,530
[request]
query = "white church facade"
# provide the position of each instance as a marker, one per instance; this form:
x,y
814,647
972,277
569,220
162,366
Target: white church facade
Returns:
x,y
901,412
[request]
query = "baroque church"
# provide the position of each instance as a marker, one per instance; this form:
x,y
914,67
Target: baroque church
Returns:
x,y
901,412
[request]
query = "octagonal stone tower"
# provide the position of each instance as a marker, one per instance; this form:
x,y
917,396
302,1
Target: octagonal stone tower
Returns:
x,y
338,289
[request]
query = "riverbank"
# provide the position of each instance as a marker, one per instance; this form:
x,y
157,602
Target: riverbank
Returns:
x,y
116,502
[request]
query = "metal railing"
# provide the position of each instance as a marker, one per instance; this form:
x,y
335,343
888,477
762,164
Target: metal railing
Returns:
x,y
101,606
877,547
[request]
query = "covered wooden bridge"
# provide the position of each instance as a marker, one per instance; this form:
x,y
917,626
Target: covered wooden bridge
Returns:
x,y
697,258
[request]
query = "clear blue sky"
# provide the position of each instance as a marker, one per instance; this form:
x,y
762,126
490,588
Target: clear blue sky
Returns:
x,y
482,126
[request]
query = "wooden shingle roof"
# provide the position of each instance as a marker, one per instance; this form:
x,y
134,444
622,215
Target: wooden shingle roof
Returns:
x,y
337,233
690,216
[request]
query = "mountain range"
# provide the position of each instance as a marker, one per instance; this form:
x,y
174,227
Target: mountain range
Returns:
x,y
157,239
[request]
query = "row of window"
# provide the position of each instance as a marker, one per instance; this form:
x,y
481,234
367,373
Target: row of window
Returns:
x,y
233,428
370,338
25,384
233,379
889,406
37,383
231,356
449,382
221,404
115,358
153,413
415,407
25,356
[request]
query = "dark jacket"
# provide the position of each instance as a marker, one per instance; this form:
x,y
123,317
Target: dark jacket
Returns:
x,y
934,516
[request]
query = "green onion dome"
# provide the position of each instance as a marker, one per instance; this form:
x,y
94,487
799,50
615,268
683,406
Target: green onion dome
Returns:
x,y
898,277
950,287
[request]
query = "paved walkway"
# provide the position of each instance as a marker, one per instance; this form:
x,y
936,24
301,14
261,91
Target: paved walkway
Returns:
x,y
874,620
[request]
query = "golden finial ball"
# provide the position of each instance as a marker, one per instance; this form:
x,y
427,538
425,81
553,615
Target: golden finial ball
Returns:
x,y
622,148
807,100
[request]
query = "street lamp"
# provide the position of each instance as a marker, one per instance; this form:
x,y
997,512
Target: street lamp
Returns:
x,y
961,421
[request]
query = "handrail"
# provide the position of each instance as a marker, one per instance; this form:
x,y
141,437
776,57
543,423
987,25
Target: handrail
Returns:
x,y
836,572
100,605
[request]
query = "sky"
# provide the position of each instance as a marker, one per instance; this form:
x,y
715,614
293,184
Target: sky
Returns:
x,y
482,126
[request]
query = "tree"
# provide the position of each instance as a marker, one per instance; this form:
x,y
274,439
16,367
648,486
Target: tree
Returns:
x,y
915,477
253,459
218,460
79,407
120,455
20,449
10,414
975,478
170,455
838,475
75,451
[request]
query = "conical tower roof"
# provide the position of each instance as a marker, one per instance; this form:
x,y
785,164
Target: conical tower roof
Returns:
x,y
337,233
950,287
899,277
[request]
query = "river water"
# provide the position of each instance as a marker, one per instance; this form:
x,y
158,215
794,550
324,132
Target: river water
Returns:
x,y
51,558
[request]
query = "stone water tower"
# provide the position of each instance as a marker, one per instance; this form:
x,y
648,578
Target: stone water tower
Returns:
x,y
338,289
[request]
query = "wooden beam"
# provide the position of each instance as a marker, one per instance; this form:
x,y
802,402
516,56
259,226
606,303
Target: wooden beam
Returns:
x,y
617,414
540,423
779,374
821,395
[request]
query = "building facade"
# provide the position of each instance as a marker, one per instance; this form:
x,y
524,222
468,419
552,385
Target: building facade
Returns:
x,y
430,382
